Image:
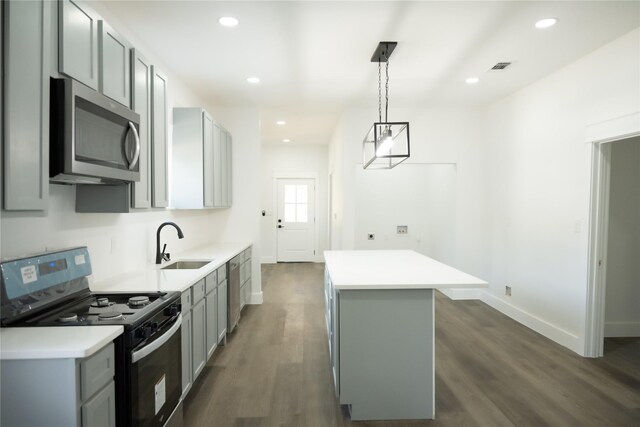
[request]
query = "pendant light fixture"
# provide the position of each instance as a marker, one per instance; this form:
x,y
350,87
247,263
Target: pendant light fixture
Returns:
x,y
386,145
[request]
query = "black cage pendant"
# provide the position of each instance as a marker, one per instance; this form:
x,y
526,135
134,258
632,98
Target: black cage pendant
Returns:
x,y
386,145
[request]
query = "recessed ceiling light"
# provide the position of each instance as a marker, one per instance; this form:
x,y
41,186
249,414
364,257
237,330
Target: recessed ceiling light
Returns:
x,y
546,23
281,123
253,80
472,80
286,140
228,21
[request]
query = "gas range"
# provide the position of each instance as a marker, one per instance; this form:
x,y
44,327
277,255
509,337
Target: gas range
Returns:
x,y
128,310
52,289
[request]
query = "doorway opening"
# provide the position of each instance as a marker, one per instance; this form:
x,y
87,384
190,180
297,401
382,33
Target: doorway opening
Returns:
x,y
296,219
614,235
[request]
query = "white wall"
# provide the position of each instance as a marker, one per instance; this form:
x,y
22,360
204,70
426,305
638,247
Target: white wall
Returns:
x,y
383,203
438,136
622,303
119,243
539,185
292,160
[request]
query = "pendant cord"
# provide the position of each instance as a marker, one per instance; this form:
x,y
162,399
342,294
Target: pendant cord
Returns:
x,y
386,105
379,91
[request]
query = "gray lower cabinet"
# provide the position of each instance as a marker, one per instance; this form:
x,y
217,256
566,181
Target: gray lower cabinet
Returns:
x,y
222,311
245,277
114,64
211,285
186,342
78,42
83,393
26,46
159,139
199,329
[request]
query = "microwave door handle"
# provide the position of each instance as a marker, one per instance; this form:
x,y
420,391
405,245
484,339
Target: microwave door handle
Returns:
x,y
136,154
147,350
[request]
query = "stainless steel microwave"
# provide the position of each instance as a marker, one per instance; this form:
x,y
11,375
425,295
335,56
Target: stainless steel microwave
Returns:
x,y
93,140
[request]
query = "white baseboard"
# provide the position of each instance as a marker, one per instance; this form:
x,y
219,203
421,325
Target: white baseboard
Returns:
x,y
268,260
461,294
562,337
256,298
622,329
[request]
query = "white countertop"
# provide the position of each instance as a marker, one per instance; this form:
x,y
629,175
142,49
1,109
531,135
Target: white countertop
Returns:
x,y
57,342
83,341
150,278
394,269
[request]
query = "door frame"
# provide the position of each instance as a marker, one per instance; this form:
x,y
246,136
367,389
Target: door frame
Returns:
x,y
599,137
274,222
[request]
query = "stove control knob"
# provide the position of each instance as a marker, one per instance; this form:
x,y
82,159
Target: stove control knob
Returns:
x,y
145,332
171,310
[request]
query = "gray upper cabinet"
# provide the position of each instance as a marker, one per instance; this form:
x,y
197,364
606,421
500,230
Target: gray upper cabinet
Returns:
x,y
159,152
141,104
208,169
26,45
113,61
78,42
217,173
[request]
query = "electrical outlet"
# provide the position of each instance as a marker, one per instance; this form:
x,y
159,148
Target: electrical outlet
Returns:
x,y
507,291
402,229
371,236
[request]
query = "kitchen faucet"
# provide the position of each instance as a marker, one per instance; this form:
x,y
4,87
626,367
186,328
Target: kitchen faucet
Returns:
x,y
162,256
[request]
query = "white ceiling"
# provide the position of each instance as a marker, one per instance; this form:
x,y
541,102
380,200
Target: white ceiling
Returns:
x,y
313,57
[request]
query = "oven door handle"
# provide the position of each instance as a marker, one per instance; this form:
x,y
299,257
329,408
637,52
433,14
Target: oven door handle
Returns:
x,y
147,350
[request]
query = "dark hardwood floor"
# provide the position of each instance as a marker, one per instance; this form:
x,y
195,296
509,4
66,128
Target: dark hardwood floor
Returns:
x,y
490,370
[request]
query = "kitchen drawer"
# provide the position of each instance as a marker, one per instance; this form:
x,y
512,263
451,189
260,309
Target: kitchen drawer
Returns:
x,y
101,409
186,301
96,371
211,282
222,273
243,276
247,254
198,291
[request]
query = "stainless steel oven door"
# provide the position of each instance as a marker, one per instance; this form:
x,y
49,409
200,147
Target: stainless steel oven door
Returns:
x,y
156,377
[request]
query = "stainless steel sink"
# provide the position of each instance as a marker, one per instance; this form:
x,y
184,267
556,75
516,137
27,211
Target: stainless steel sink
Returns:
x,y
186,265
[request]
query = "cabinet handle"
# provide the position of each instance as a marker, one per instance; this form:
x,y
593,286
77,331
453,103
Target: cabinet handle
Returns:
x,y
136,154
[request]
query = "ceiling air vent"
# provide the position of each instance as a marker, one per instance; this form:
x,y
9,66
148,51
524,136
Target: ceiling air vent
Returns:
x,y
501,65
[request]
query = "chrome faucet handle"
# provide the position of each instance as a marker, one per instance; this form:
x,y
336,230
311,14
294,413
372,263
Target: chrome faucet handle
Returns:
x,y
166,256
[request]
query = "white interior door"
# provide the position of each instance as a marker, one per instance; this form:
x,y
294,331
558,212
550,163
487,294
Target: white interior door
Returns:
x,y
295,221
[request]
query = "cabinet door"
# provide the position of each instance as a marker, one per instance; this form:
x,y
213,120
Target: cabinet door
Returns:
x,y
100,410
222,310
223,162
212,322
217,165
113,62
199,346
141,104
26,27
78,42
208,166
229,164
186,353
159,186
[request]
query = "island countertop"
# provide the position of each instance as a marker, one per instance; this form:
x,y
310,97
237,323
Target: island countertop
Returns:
x,y
394,269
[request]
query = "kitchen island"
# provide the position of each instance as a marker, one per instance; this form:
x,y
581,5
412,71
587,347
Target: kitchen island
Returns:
x,y
379,308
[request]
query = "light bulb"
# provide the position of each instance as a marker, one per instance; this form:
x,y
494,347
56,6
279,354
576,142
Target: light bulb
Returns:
x,y
385,143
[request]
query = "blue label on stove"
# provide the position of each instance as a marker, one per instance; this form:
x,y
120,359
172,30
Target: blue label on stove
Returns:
x,y
36,275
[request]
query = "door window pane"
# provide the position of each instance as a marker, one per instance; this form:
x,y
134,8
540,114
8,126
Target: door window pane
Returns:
x,y
301,194
289,193
301,215
289,212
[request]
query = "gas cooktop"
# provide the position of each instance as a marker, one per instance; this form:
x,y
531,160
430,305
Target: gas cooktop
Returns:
x,y
127,310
